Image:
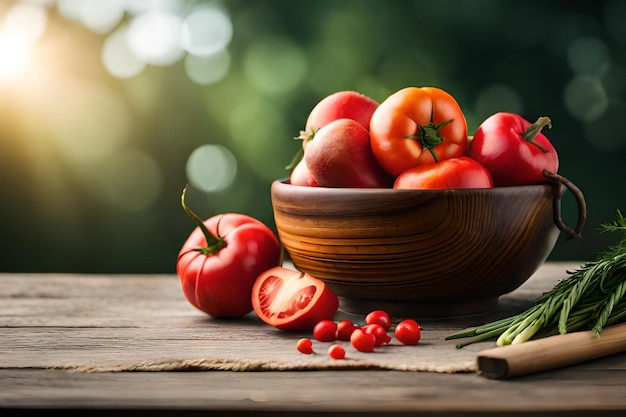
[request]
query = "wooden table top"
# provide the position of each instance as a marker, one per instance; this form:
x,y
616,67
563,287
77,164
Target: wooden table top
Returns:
x,y
52,319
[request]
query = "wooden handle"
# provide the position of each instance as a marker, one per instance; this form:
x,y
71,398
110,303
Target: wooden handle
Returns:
x,y
550,353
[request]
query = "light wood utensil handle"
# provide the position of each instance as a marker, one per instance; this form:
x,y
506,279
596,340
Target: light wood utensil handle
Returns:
x,y
550,353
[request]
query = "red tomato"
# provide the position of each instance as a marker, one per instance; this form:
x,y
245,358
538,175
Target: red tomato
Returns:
x,y
382,338
339,105
379,317
305,345
463,172
363,342
336,352
345,329
417,126
408,332
514,150
292,300
325,331
300,175
341,156
221,259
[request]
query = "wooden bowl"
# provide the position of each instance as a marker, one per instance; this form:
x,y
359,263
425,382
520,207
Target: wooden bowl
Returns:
x,y
421,253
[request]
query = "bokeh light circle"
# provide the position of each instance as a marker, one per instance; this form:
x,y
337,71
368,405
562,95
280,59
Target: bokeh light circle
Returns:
x,y
211,168
275,65
496,98
587,56
205,70
585,98
155,38
118,58
206,31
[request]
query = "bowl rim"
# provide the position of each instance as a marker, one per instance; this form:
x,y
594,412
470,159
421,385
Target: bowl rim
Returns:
x,y
285,184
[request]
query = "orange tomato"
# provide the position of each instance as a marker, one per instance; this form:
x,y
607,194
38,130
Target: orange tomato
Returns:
x,y
417,126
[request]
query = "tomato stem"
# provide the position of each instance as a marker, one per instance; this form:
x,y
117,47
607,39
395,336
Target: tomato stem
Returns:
x,y
429,136
214,243
304,137
534,129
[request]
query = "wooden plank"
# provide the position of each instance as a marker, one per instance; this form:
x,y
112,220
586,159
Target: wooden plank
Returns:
x,y
56,319
388,392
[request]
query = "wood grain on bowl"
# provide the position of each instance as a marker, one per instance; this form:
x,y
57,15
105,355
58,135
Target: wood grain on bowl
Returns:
x,y
430,253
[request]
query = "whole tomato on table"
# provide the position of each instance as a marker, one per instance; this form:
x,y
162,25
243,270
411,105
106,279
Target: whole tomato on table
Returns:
x,y
417,126
292,300
220,260
514,150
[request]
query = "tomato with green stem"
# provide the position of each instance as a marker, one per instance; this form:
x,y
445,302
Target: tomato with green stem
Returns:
x,y
221,259
417,126
515,151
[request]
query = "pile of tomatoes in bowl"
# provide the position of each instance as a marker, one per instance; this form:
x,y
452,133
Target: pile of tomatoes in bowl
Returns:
x,y
417,138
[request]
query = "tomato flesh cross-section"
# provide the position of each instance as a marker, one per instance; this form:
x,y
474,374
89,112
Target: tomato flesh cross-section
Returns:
x,y
292,300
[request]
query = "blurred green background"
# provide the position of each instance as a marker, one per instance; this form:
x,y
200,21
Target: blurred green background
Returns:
x,y
109,108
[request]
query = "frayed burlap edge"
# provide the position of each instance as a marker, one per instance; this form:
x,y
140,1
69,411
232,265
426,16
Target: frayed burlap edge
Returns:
x,y
250,365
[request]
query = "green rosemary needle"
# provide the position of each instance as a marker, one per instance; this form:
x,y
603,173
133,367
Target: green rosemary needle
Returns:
x,y
590,298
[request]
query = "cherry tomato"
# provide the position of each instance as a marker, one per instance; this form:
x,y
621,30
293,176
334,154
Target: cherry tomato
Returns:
x,y
382,338
336,352
220,260
408,332
305,345
325,331
463,172
363,342
514,150
345,329
292,300
417,126
379,317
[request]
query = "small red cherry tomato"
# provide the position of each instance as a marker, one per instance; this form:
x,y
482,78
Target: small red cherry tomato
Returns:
x,y
382,338
379,317
305,345
336,352
292,300
325,331
345,329
363,342
514,150
453,173
408,332
221,259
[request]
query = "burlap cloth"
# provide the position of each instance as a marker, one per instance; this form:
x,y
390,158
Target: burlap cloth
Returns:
x,y
276,351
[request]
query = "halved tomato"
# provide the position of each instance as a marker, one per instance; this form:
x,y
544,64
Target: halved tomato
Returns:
x,y
292,300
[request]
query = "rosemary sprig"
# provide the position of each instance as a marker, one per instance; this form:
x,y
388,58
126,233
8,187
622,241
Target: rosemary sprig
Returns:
x,y
590,298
